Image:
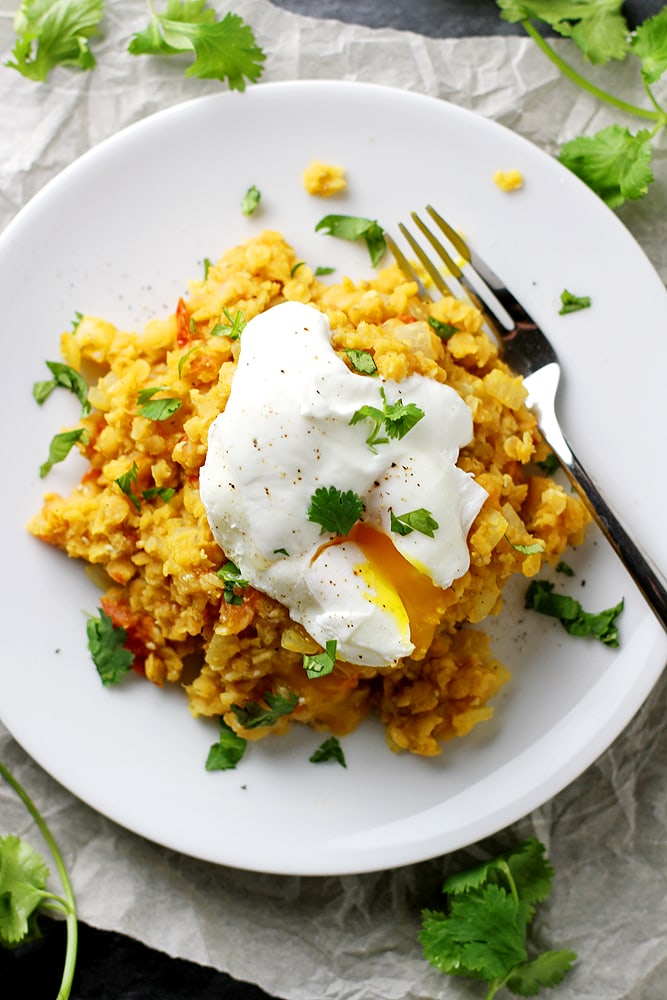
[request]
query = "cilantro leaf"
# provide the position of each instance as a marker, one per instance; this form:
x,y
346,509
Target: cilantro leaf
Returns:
x,y
329,750
230,575
165,493
354,227
23,876
649,44
126,481
540,597
573,303
254,714
334,510
482,933
361,361
397,419
414,520
596,26
615,163
233,328
227,752
106,644
67,378
60,447
443,330
321,664
250,200
54,32
548,969
157,409
223,50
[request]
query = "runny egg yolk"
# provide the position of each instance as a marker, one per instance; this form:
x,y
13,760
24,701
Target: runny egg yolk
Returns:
x,y
408,594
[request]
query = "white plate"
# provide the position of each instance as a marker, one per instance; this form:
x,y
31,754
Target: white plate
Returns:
x,y
118,234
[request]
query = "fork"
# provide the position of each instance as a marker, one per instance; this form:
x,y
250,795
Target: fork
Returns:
x,y
527,352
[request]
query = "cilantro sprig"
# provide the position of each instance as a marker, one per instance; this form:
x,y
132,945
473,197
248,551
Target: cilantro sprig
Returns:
x,y
335,510
23,888
321,664
482,933
602,625
420,520
52,33
354,227
255,714
156,409
106,644
64,377
396,419
614,162
230,575
223,50
229,749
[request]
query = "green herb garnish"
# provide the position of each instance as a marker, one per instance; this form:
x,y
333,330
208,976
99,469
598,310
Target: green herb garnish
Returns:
x,y
227,752
250,201
254,714
336,511
443,330
414,520
361,361
23,892
353,227
224,50
541,597
157,409
230,575
67,378
126,481
233,328
54,33
482,932
396,419
321,664
614,162
573,303
106,643
329,750
60,447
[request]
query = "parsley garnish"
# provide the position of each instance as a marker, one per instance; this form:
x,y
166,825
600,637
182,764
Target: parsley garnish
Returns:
x,y
54,33
396,418
550,464
321,271
67,378
230,575
529,550
223,50
60,447
106,644
254,714
157,409
233,328
352,227
414,520
614,162
361,361
23,879
443,330
564,568
126,481
250,200
540,597
573,303
329,750
482,934
334,510
321,664
227,752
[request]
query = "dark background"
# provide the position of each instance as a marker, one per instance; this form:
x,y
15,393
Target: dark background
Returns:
x,y
111,966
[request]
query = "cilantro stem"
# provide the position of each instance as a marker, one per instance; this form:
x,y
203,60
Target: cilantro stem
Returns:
x,y
581,81
68,901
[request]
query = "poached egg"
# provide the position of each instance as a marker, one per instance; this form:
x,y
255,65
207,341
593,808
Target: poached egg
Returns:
x,y
285,432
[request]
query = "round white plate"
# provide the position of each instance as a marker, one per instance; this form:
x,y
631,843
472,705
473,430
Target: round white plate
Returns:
x,y
118,234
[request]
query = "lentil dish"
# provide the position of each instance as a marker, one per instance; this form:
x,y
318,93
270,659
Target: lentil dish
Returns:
x,y
160,561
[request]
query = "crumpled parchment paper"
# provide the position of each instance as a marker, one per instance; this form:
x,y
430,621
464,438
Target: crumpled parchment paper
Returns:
x,y
355,936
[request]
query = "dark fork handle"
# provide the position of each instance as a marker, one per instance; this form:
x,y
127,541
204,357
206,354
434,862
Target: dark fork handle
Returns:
x,y
646,575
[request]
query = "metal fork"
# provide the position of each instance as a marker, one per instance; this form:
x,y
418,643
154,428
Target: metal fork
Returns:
x,y
528,353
